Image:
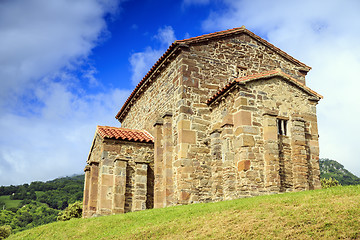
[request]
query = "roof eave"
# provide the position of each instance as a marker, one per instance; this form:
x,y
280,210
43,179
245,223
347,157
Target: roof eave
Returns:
x,y
173,49
275,73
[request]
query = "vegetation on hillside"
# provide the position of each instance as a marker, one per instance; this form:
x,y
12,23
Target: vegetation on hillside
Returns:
x,y
57,193
332,213
333,169
72,211
28,216
331,182
29,205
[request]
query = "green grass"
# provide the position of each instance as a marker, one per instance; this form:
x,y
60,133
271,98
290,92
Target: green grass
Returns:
x,y
322,214
8,202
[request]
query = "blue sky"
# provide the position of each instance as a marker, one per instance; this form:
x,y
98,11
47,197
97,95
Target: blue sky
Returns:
x,y
67,66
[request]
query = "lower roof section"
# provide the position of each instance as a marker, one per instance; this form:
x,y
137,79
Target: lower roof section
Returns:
x,y
124,134
262,76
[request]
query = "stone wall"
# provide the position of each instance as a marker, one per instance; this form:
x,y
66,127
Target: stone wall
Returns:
x,y
249,152
206,68
157,99
121,177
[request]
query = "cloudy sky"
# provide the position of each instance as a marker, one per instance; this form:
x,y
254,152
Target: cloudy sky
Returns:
x,y
67,66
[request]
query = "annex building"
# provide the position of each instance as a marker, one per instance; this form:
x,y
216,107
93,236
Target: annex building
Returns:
x,y
220,116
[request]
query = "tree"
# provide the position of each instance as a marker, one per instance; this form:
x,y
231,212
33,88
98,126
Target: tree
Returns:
x,y
31,195
6,217
72,211
2,205
5,231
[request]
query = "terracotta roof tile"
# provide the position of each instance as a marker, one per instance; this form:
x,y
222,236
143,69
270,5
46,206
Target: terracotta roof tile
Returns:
x,y
263,75
175,45
124,134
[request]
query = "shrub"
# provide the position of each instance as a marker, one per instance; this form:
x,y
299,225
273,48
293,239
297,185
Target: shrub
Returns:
x,y
5,231
72,211
331,182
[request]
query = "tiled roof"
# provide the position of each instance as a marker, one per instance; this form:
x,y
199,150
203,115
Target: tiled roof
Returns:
x,y
263,75
124,134
178,43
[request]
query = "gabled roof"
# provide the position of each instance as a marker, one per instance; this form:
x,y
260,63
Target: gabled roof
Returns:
x,y
174,47
124,134
263,75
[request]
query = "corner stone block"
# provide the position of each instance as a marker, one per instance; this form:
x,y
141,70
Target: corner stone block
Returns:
x,y
241,102
184,125
183,150
270,133
228,119
242,118
247,141
187,136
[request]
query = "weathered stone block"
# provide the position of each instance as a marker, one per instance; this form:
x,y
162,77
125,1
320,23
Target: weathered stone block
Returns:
x,y
228,120
183,151
270,133
107,179
242,118
184,125
187,136
247,141
241,101
244,165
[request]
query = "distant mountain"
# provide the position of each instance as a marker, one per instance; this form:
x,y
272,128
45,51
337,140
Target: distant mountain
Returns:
x,y
331,168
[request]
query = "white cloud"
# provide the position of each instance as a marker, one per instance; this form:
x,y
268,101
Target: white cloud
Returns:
x,y
166,36
38,38
56,141
141,62
322,34
47,118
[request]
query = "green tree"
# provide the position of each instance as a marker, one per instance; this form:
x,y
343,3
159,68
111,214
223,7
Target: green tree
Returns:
x,y
6,217
5,231
72,211
31,195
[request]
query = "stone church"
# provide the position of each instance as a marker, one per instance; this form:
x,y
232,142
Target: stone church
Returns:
x,y
220,116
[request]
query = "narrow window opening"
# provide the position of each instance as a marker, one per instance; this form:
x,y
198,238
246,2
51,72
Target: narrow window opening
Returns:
x,y
241,71
282,127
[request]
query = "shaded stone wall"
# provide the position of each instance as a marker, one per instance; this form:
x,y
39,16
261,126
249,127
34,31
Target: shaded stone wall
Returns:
x,y
262,161
157,99
119,177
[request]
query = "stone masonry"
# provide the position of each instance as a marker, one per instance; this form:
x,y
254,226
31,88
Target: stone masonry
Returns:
x,y
219,116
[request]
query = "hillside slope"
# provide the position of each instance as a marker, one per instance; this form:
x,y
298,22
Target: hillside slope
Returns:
x,y
30,205
321,214
331,168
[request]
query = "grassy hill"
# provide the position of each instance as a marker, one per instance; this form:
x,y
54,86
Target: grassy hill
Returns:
x,y
5,200
322,214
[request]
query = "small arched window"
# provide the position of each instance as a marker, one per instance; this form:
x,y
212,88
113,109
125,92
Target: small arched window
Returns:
x,y
282,126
